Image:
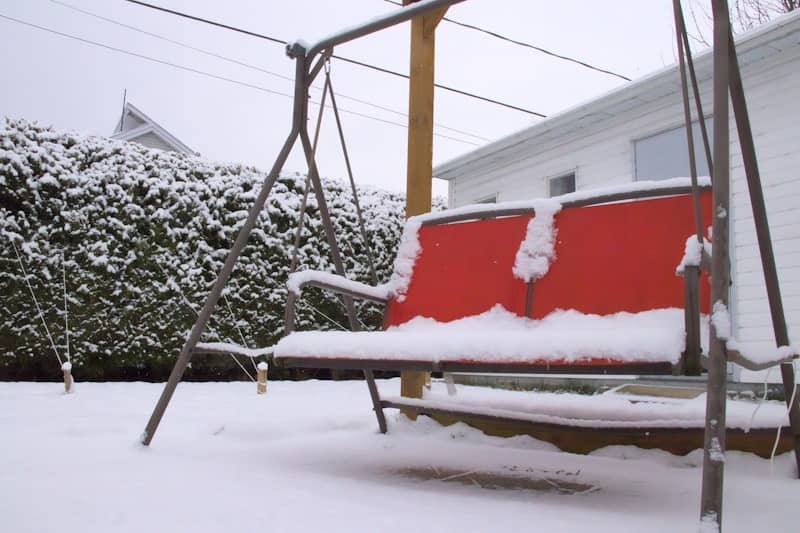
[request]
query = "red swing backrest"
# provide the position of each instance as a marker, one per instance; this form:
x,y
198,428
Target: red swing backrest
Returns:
x,y
463,269
609,258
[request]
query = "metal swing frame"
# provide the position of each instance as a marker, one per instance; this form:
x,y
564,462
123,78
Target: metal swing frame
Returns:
x,y
726,79
308,64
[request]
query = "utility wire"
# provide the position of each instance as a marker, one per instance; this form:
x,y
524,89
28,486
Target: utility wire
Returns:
x,y
169,40
527,45
439,85
208,21
142,56
248,65
211,75
335,56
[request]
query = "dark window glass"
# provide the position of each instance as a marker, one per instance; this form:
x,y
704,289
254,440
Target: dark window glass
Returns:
x,y
562,184
665,155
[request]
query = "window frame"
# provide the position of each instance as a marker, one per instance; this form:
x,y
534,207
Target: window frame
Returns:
x,y
698,140
572,173
491,199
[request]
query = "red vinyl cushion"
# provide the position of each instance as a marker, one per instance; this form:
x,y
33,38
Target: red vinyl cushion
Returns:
x,y
609,258
464,269
620,257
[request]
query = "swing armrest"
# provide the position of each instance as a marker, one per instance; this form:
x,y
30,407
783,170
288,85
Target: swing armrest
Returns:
x,y
331,282
338,284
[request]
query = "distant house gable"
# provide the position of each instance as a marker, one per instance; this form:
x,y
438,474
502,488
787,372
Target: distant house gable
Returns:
x,y
135,126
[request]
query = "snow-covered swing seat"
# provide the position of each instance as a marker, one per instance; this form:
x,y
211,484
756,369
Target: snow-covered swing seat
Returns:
x,y
584,283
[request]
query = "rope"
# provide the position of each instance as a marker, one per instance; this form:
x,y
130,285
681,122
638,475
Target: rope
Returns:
x,y
314,309
304,203
36,303
687,112
210,328
328,89
66,309
238,329
780,426
696,91
363,230
762,400
307,189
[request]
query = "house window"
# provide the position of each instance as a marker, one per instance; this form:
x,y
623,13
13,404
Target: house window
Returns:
x,y
562,184
488,200
664,155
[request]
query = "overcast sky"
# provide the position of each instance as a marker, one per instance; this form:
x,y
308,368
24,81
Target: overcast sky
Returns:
x,y
76,86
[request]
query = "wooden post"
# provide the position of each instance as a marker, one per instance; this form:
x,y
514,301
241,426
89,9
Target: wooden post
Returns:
x,y
261,372
420,143
68,381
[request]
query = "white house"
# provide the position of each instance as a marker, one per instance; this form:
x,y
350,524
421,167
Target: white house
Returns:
x,y
636,132
135,126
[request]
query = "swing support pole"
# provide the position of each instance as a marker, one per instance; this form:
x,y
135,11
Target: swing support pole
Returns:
x,y
716,392
304,76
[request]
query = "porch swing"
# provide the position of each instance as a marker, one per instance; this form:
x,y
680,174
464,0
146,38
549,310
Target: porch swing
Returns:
x,y
497,279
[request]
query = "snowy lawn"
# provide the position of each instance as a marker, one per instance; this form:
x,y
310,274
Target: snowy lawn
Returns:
x,y
307,457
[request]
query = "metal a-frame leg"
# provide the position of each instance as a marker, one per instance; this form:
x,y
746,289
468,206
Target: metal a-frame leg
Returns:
x,y
313,176
376,400
716,390
761,222
213,297
303,78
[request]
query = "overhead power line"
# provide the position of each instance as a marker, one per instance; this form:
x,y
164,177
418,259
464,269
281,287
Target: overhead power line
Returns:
x,y
445,87
211,22
209,74
527,45
335,56
247,65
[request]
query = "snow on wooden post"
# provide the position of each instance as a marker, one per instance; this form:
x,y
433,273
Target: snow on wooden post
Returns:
x,y
68,381
261,387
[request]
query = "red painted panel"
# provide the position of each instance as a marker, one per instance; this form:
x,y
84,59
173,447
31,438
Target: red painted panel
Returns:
x,y
609,258
464,269
620,257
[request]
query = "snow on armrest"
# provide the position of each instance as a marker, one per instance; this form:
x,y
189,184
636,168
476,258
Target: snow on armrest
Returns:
x,y
226,347
749,355
758,358
298,280
695,254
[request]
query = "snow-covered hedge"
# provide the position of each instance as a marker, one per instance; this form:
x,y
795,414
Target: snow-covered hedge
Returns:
x,y
138,227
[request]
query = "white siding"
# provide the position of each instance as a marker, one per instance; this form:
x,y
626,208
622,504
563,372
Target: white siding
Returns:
x,y
151,140
602,154
131,122
771,96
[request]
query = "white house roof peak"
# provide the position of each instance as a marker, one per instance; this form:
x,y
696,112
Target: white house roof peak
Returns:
x,y
135,126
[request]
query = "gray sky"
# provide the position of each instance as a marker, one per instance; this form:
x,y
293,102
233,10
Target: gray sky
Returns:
x,y
76,86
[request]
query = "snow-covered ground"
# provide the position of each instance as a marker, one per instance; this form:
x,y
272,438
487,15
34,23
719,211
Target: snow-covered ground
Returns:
x,y
307,457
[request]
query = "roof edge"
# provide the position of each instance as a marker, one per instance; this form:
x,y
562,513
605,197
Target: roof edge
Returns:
x,y
757,37
155,128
